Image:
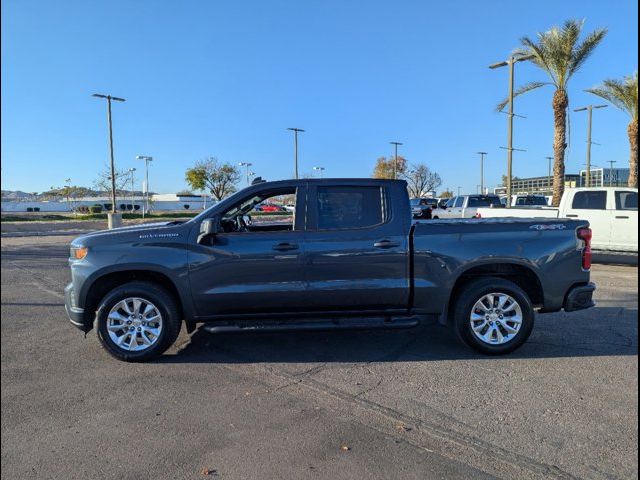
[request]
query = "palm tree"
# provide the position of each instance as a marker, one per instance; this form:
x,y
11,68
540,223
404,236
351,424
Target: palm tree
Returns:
x,y
624,95
560,54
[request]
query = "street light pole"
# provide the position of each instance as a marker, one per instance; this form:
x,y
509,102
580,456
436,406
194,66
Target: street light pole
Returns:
x,y
482,154
113,168
131,170
246,164
395,159
459,188
510,63
319,169
146,187
589,109
549,159
295,141
611,162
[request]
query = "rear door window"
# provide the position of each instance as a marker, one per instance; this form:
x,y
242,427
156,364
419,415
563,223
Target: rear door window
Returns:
x,y
591,200
483,201
343,207
626,200
459,202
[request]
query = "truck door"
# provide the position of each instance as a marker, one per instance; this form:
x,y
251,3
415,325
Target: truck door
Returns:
x,y
591,205
624,221
253,264
357,248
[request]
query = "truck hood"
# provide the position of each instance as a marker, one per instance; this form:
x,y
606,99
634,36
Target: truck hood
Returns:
x,y
132,232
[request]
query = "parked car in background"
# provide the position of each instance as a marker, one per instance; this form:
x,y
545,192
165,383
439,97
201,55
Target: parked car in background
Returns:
x,y
269,207
350,258
466,206
422,208
611,211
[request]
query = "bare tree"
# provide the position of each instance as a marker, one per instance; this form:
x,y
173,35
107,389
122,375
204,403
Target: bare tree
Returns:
x,y
103,182
421,180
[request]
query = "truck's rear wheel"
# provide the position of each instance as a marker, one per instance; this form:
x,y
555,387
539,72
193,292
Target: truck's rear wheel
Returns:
x,y
137,321
494,316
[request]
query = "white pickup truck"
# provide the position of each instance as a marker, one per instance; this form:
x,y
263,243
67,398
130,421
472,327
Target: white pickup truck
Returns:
x,y
611,211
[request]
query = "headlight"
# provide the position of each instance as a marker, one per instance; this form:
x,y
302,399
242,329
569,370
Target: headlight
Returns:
x,y
78,253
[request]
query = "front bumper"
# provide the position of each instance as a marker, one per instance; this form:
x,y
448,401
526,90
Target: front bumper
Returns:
x,y
580,297
75,314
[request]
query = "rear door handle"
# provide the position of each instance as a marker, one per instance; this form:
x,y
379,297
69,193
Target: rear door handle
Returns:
x,y
386,244
621,216
572,216
283,247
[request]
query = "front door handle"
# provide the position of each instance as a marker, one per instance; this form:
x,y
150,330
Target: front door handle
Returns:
x,y
283,247
386,244
621,216
572,216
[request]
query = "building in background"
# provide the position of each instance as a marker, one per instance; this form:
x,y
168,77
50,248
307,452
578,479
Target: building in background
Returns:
x,y
605,177
537,185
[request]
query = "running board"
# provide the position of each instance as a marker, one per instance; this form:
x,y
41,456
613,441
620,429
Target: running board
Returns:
x,y
323,324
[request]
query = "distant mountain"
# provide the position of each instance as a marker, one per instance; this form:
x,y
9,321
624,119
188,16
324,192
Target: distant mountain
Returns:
x,y
15,195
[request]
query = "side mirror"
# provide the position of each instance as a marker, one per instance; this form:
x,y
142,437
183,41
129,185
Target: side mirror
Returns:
x,y
208,227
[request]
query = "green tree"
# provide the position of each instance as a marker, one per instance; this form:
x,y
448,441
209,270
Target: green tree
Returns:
x,y
560,54
385,167
624,95
210,174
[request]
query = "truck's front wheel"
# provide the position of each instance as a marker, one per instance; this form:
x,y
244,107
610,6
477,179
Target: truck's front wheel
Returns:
x,y
493,316
137,321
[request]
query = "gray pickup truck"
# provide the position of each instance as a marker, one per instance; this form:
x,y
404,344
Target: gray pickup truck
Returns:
x,y
348,256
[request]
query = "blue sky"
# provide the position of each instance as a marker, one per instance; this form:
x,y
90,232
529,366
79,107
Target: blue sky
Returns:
x,y
226,78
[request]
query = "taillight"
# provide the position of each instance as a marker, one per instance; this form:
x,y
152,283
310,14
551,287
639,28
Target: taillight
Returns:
x,y
585,234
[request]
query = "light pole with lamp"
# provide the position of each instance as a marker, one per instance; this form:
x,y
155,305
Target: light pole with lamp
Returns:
x,y
589,109
247,165
319,169
113,219
146,159
395,159
295,143
133,193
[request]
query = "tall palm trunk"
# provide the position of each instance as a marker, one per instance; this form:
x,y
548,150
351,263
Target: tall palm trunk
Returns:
x,y
560,104
632,131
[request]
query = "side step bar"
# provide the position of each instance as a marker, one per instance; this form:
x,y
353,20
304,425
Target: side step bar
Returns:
x,y
321,324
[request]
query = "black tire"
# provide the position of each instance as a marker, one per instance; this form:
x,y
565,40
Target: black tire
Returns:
x,y
165,303
472,293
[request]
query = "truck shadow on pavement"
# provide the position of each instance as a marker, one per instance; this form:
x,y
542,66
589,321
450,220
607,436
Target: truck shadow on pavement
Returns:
x,y
601,331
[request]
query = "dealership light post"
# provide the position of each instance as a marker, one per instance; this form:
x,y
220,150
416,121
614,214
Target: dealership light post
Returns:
x,y
295,146
510,63
611,162
589,109
146,159
113,168
482,154
395,159
247,165
133,193
319,169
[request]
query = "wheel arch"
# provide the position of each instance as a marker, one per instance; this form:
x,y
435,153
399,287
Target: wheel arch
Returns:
x,y
523,276
101,283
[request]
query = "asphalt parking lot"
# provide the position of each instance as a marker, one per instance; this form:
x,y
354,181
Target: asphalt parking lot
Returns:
x,y
396,404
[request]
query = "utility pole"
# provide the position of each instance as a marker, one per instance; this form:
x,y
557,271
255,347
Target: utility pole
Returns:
x,y
482,154
146,182
246,164
295,141
510,63
589,109
395,159
611,162
113,168
459,188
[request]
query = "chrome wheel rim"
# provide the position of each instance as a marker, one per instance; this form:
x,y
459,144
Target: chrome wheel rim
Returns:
x,y
496,318
134,324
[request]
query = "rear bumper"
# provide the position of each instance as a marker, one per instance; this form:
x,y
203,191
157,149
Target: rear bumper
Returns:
x,y
75,314
579,298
